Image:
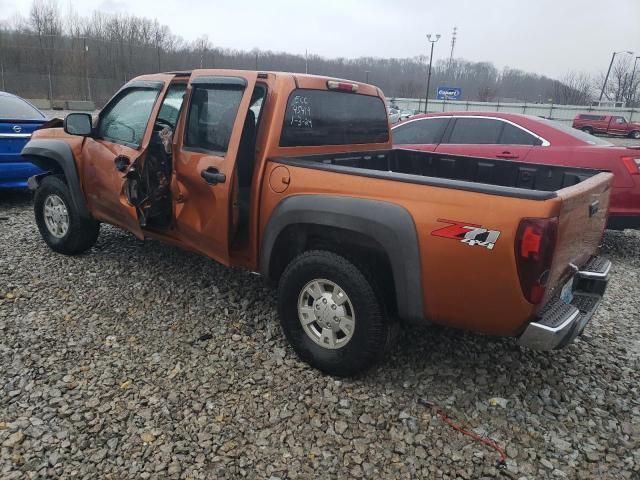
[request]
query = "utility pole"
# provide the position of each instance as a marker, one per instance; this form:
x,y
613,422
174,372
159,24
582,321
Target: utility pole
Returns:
x,y
632,93
256,61
366,75
306,61
454,37
2,68
85,49
609,71
426,99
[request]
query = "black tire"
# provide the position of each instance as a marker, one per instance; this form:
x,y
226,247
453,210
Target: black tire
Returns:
x,y
588,130
81,233
635,134
372,334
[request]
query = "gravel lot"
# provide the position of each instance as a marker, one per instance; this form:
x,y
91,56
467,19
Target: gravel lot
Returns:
x,y
138,360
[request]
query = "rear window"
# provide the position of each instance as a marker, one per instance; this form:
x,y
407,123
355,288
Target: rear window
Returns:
x,y
13,108
591,117
323,117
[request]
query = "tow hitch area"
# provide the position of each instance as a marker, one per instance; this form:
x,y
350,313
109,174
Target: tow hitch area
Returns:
x,y
565,316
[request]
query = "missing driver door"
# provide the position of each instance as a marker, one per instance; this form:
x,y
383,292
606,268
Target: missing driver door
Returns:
x,y
121,141
209,138
148,180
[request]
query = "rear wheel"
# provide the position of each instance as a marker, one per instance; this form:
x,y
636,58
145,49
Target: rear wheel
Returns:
x,y
635,134
60,224
331,314
588,130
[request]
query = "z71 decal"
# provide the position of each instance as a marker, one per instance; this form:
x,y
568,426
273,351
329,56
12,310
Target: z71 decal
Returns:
x,y
468,233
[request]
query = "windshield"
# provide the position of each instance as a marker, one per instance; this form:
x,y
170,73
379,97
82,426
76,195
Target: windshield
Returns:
x,y
14,108
575,133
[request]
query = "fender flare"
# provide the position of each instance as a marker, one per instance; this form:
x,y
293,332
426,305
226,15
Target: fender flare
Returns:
x,y
55,156
389,224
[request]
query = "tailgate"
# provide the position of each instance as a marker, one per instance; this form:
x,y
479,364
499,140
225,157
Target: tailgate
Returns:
x,y
582,219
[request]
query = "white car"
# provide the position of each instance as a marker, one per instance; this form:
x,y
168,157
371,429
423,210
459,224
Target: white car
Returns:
x,y
394,115
405,114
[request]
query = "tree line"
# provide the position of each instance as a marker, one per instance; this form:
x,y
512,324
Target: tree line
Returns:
x,y
58,54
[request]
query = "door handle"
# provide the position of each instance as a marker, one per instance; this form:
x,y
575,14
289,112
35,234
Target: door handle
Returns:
x,y
507,155
122,163
213,176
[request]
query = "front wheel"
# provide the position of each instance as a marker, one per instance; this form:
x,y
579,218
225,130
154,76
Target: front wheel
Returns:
x,y
61,226
635,134
331,315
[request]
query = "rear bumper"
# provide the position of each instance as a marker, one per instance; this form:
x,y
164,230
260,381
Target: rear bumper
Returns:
x,y
560,323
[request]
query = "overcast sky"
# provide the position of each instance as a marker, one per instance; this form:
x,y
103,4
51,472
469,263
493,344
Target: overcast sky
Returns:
x,y
544,36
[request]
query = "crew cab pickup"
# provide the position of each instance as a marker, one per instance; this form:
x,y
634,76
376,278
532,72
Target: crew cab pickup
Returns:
x,y
606,124
293,176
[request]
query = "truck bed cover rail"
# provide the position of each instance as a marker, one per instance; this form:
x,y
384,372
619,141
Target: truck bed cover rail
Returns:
x,y
483,175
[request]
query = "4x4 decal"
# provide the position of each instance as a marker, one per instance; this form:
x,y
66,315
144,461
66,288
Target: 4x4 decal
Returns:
x,y
469,233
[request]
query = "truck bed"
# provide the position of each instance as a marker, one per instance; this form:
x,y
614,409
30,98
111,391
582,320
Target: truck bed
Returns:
x,y
485,175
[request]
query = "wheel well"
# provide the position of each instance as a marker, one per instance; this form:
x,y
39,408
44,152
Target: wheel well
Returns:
x,y
363,251
47,164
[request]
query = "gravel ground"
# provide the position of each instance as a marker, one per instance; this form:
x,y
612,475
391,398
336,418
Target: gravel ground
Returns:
x,y
138,360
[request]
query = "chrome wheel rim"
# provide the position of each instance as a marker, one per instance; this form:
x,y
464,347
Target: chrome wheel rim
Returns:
x,y
56,216
326,313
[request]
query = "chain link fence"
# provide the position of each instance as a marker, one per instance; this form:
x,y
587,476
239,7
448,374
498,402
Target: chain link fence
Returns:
x,y
564,113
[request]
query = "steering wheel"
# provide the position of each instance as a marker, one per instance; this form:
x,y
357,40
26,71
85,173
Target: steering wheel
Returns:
x,y
160,122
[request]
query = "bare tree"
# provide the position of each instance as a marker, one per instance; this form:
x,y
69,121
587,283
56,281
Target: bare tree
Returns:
x,y
621,87
573,89
485,93
92,56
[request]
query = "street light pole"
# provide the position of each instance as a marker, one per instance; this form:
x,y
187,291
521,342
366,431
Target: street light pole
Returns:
x,y
609,71
366,73
631,86
426,99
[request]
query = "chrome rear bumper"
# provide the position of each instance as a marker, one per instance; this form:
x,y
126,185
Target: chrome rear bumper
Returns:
x,y
559,323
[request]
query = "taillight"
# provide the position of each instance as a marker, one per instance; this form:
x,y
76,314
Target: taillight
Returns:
x,y
632,164
342,86
535,246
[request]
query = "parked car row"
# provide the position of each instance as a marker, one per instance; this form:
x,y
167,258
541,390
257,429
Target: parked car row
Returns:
x,y
18,120
530,139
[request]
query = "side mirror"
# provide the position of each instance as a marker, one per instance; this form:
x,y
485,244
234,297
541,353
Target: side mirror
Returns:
x,y
78,124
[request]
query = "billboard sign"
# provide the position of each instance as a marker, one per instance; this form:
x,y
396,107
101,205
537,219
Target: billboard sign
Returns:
x,y
449,93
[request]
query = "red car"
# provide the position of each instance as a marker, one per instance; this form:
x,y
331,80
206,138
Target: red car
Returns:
x,y
608,124
529,139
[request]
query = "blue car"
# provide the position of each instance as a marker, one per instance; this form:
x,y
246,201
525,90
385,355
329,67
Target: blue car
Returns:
x,y
18,119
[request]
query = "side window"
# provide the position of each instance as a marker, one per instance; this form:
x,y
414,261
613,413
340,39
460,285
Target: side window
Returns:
x,y
427,131
476,131
512,135
257,101
171,105
125,121
620,120
212,113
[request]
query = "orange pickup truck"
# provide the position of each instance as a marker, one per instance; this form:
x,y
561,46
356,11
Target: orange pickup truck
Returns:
x,y
293,176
